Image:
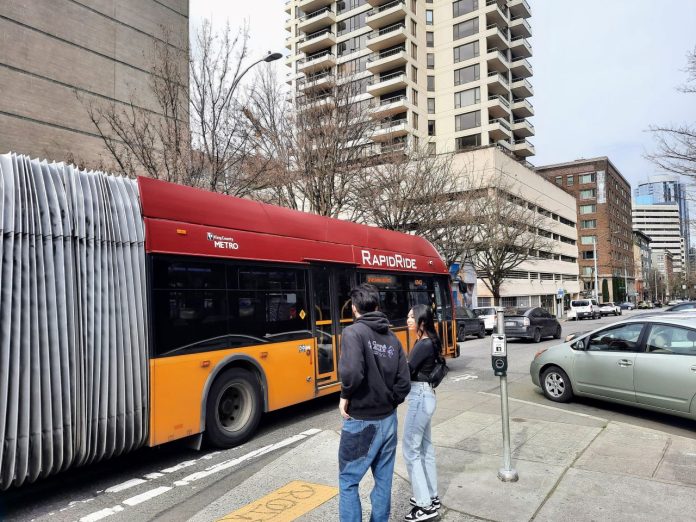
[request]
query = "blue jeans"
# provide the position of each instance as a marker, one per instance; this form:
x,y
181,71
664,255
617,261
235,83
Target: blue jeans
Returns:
x,y
417,446
366,444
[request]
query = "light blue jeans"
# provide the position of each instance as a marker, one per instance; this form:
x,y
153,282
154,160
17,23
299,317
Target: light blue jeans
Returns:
x,y
417,446
366,444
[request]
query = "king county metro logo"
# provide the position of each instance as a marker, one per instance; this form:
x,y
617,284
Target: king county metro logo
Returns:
x,y
223,242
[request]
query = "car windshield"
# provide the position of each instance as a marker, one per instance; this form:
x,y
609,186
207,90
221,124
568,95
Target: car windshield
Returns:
x,y
515,311
579,303
484,311
463,313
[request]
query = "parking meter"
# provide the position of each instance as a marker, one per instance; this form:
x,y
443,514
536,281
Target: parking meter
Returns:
x,y
499,354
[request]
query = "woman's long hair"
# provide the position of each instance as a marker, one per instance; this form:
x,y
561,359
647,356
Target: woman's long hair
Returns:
x,y
425,324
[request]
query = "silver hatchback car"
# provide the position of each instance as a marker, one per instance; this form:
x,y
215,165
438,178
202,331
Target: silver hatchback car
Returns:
x,y
649,362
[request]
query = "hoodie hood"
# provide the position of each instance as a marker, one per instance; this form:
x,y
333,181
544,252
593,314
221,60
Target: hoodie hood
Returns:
x,y
375,320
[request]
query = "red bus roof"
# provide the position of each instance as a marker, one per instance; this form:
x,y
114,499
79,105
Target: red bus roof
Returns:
x,y
186,220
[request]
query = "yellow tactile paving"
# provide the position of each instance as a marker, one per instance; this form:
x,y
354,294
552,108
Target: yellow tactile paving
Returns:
x,y
284,504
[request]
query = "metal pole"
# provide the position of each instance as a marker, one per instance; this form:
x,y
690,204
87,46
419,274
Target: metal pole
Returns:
x,y
596,280
626,281
507,473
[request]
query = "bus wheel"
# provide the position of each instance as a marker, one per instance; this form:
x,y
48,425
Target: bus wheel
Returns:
x,y
234,408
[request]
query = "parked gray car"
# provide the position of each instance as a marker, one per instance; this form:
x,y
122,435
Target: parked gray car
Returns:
x,y
649,362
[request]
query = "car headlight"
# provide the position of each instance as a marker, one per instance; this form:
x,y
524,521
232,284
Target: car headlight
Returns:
x,y
525,321
536,355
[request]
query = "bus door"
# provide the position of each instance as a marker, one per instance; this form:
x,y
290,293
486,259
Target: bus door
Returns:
x,y
331,313
445,316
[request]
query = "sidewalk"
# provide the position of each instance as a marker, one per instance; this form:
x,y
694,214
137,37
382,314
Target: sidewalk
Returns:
x,y
571,466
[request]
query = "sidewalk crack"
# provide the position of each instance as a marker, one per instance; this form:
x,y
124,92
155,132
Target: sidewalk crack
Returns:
x,y
662,458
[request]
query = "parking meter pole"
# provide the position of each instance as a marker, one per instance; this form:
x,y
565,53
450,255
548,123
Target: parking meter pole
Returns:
x,y
506,473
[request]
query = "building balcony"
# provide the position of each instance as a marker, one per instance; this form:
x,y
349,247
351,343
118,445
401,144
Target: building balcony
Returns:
x,y
499,129
496,37
390,129
519,8
386,14
520,47
316,62
288,6
520,27
391,106
319,103
394,148
521,128
498,83
387,60
389,36
316,83
497,60
496,13
521,108
505,144
521,68
317,20
309,6
523,148
498,107
316,41
521,88
388,83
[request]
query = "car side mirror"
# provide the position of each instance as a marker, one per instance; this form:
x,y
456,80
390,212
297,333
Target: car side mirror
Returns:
x,y
578,345
553,315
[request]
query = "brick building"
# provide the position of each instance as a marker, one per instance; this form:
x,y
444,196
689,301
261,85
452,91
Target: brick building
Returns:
x,y
604,216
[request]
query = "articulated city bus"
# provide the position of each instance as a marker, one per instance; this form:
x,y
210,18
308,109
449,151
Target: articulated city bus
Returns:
x,y
137,313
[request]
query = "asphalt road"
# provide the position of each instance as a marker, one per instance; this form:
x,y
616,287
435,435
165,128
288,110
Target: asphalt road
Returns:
x,y
173,482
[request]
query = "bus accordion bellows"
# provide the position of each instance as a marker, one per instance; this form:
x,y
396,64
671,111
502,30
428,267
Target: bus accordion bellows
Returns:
x,y
137,312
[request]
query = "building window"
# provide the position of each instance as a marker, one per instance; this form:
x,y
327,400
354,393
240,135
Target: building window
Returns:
x,y
414,117
416,142
431,83
588,209
586,178
429,39
468,120
413,5
464,29
467,74
414,73
467,142
462,7
569,180
429,17
414,97
588,194
466,51
588,223
431,105
413,27
431,127
589,254
431,60
414,51
587,271
466,98
431,148
559,180
588,240
351,24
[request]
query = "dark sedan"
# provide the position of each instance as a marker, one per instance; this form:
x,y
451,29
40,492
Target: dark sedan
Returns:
x,y
682,307
469,324
531,323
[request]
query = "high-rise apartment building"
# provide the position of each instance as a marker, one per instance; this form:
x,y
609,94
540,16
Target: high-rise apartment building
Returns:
x,y
58,57
452,74
604,223
665,189
661,223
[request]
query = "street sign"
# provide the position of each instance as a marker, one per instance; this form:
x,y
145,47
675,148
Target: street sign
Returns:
x,y
560,293
499,345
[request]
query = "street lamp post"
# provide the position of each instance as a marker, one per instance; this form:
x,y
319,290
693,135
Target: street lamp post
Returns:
x,y
596,279
270,57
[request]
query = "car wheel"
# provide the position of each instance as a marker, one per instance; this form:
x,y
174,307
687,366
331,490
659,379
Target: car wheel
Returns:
x,y
481,333
557,333
537,335
461,335
556,385
233,408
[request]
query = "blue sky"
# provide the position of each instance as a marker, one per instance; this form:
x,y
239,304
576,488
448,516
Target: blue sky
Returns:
x,y
604,71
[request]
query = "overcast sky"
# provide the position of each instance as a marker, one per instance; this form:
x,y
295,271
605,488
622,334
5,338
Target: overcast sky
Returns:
x,y
604,71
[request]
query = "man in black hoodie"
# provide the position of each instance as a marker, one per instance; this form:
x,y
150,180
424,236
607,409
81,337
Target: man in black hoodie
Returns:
x,y
375,380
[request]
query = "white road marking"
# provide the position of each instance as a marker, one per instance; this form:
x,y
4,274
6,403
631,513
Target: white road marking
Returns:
x,y
308,433
179,466
98,515
465,377
152,476
547,407
143,497
234,462
125,485
211,455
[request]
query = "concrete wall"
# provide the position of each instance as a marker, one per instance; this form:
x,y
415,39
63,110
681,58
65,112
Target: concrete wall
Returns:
x,y
58,56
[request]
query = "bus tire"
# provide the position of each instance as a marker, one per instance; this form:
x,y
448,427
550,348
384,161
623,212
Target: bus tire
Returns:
x,y
233,408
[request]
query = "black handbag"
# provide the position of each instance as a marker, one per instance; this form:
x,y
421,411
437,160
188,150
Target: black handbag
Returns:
x,y
439,372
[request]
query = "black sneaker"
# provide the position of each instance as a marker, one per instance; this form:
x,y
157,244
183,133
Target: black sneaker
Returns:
x,y
421,513
434,501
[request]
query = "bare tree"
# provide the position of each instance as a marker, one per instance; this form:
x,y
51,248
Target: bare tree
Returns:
x,y
200,139
676,145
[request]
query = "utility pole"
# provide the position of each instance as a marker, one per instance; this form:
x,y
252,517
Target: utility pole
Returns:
x,y
596,280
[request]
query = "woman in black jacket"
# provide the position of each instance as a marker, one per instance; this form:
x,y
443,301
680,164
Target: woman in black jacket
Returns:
x,y
418,448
